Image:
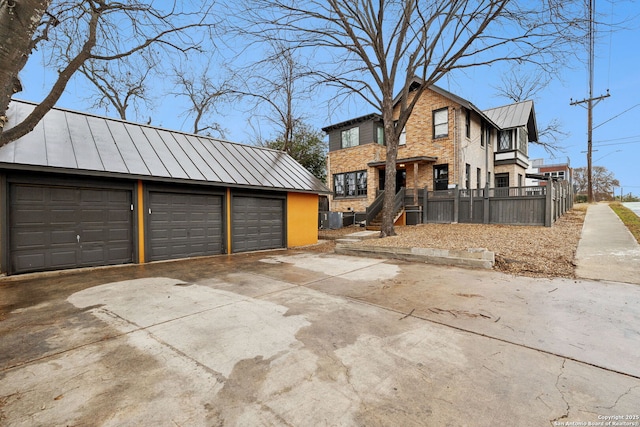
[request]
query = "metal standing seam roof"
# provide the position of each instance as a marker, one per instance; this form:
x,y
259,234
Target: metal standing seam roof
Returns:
x,y
515,115
73,142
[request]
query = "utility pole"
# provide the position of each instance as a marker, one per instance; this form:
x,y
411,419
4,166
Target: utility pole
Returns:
x,y
590,101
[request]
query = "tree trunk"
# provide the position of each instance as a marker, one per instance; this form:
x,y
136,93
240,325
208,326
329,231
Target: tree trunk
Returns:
x,y
19,21
30,122
391,139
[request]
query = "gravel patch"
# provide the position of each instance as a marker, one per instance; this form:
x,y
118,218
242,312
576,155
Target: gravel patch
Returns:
x,y
520,250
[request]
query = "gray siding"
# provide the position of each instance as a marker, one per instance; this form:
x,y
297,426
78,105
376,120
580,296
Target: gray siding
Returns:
x,y
367,134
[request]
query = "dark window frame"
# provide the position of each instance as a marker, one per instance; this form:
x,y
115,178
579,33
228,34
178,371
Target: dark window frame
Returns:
x,y
467,123
353,141
350,184
502,139
467,178
441,177
502,179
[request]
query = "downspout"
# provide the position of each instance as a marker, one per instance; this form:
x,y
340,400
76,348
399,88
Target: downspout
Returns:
x,y
330,182
487,144
456,147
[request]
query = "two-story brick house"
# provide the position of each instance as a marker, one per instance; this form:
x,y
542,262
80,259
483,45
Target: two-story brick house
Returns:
x,y
447,142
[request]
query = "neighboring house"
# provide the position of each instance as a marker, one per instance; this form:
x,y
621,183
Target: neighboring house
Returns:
x,y
517,127
539,173
81,191
447,142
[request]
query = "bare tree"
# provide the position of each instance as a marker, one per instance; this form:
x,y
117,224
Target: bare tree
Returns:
x,y
376,49
119,85
83,30
520,86
275,82
204,95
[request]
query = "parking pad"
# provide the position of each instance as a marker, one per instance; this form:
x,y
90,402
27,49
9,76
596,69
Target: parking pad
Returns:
x,y
244,347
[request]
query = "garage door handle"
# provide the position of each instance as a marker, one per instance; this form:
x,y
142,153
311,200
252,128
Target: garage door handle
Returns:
x,y
78,237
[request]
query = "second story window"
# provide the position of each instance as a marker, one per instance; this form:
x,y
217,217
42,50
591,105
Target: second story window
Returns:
x,y
504,140
441,123
523,141
380,135
350,137
467,123
402,139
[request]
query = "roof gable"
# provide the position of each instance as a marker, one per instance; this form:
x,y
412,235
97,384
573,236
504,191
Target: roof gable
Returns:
x,y
451,96
511,116
352,122
73,142
414,83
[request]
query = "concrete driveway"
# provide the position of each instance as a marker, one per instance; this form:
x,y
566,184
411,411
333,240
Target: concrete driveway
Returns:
x,y
299,339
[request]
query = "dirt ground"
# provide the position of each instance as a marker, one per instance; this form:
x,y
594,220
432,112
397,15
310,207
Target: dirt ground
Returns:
x,y
520,250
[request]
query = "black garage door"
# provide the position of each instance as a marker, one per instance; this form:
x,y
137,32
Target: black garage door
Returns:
x,y
66,227
257,223
183,225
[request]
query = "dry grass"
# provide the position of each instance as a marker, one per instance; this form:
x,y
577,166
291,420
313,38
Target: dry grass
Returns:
x,y
628,217
520,250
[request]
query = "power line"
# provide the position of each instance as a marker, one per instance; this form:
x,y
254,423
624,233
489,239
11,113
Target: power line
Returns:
x,y
616,116
618,139
619,143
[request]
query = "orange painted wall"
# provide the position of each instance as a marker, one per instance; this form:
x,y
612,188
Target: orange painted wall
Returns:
x,y
302,219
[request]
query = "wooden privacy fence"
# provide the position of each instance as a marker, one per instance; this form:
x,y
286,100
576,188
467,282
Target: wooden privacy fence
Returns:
x,y
539,205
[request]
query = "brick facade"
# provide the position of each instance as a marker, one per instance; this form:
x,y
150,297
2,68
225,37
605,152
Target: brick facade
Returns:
x,y
456,149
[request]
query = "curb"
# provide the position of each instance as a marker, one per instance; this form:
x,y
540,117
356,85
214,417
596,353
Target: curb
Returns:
x,y
471,258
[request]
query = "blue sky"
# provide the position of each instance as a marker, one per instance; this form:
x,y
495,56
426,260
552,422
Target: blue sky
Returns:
x,y
616,138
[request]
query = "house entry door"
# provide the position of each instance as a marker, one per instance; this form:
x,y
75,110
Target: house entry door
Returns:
x,y
441,177
401,179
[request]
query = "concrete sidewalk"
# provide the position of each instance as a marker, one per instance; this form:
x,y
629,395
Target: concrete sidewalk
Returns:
x,y
607,250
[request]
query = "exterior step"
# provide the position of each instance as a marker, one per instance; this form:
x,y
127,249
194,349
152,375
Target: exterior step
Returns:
x,y
376,224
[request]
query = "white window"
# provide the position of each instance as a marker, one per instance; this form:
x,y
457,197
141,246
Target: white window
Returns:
x,y
402,140
441,123
380,135
351,137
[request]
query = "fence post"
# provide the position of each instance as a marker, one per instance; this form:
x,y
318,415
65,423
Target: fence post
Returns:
x,y
456,204
485,205
424,205
548,205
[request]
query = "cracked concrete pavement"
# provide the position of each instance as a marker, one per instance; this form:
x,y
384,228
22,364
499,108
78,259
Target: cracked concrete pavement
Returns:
x,y
296,338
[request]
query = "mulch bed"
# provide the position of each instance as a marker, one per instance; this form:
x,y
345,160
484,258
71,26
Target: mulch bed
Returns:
x,y
520,250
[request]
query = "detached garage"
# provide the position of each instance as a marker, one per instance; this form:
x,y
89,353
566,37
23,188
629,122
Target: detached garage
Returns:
x,y
83,191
